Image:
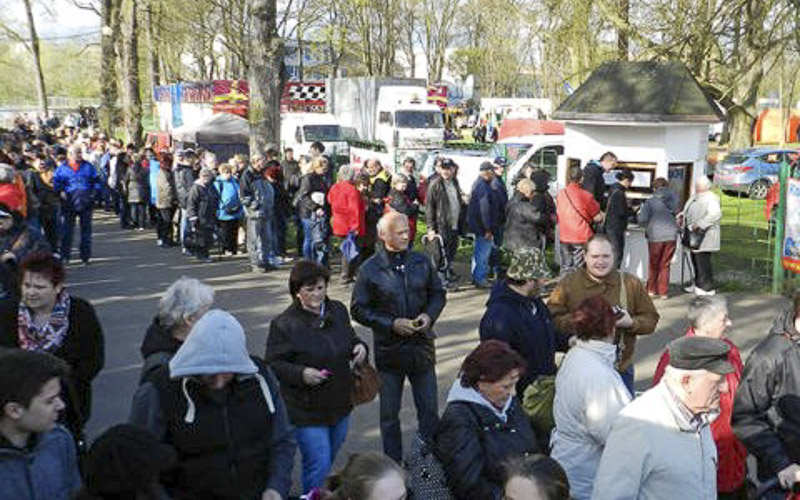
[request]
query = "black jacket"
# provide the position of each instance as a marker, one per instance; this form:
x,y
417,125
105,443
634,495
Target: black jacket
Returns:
x,y
594,182
202,205
235,448
617,211
309,184
766,408
382,294
473,445
400,202
299,339
157,348
527,326
184,179
523,222
437,208
83,350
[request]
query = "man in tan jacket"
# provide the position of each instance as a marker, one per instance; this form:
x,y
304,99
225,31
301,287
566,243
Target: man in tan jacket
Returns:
x,y
637,314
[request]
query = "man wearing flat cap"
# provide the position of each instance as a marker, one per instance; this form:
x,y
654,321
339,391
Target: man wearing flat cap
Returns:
x,y
485,217
445,213
661,444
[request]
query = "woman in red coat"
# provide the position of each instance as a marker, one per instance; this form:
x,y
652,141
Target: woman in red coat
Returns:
x,y
708,317
348,210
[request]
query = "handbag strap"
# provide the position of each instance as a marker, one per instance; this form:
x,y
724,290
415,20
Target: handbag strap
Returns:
x,y
576,209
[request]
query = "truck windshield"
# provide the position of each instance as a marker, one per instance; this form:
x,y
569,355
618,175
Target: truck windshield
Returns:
x,y
322,133
419,119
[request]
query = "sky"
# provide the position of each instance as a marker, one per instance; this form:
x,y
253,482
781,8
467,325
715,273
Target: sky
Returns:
x,y
61,19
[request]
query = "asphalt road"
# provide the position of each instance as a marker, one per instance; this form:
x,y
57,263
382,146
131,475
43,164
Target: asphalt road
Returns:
x,y
129,273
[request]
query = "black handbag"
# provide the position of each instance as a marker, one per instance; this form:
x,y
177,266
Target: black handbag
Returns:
x,y
692,239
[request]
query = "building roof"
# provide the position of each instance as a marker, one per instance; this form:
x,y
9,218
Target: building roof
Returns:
x,y
640,92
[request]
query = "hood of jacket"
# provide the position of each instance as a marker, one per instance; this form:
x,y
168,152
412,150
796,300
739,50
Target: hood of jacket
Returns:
x,y
501,292
664,195
158,339
216,344
459,393
784,324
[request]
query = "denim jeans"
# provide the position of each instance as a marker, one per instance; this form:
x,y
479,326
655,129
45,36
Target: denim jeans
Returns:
x,y
423,387
628,378
260,245
68,227
318,447
315,244
480,258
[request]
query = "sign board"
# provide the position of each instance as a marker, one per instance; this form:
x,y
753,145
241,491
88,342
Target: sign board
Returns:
x,y
197,92
231,96
791,243
437,94
302,97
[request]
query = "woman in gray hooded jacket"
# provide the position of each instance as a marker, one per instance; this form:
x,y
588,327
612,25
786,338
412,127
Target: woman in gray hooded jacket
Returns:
x,y
661,229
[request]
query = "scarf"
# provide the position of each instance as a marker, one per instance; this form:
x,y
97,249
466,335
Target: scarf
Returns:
x,y
74,165
49,336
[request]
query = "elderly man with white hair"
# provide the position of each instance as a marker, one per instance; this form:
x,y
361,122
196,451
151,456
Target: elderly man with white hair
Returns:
x,y
660,445
76,182
181,306
399,296
701,218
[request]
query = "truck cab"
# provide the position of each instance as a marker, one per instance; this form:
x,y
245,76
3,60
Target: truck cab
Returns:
x,y
406,123
300,130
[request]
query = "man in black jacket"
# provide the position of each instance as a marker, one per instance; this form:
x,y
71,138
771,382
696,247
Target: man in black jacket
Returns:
x,y
184,178
766,408
399,296
445,213
201,213
593,180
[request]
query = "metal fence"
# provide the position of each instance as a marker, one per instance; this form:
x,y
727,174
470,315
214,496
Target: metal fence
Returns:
x,y
747,244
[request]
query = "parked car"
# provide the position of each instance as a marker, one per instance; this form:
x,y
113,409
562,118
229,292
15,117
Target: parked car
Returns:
x,y
751,171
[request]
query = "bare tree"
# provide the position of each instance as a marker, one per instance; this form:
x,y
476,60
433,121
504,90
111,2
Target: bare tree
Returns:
x,y
37,58
133,99
109,32
265,76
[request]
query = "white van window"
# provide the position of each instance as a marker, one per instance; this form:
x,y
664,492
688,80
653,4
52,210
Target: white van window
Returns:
x,y
385,117
298,135
419,119
323,133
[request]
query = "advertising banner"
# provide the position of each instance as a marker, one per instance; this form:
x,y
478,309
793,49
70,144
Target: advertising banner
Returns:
x,y
231,96
161,93
197,92
175,97
301,97
791,242
437,94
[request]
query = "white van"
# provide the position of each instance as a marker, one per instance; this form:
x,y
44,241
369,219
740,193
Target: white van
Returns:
x,y
300,130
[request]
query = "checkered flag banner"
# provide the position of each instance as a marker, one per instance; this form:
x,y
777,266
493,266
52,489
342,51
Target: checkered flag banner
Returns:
x,y
306,92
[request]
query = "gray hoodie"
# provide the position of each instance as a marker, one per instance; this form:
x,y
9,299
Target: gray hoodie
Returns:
x,y
658,214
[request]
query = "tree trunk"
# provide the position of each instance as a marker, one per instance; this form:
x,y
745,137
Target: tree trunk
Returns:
x,y
37,59
265,77
155,76
133,106
622,32
108,113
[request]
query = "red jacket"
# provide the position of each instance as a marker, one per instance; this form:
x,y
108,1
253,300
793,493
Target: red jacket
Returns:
x,y
575,208
731,453
348,209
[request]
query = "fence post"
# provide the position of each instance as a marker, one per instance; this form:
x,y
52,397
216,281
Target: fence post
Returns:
x,y
777,267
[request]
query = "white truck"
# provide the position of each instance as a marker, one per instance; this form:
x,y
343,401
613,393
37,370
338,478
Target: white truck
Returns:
x,y
392,116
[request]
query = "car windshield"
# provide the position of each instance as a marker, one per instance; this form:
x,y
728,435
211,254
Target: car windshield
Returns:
x,y
511,152
734,158
323,133
419,119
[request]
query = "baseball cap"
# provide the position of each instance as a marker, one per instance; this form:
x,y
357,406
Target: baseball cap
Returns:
x,y
501,160
486,166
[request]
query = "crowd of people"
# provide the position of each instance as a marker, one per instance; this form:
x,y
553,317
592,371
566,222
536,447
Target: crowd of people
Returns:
x,y
209,419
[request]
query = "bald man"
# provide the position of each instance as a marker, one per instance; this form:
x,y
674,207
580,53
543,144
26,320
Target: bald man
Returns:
x,y
399,296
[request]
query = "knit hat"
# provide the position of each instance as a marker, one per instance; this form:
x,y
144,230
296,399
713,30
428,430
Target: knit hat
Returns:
x,y
216,344
126,459
527,264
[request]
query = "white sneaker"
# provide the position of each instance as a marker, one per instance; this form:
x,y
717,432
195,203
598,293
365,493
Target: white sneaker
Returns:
x,y
700,292
689,289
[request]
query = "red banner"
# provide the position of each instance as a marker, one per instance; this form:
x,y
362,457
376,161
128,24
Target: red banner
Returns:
x,y
231,96
437,94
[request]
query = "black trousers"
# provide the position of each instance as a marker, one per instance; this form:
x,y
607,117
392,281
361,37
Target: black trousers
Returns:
x,y
164,225
229,230
703,274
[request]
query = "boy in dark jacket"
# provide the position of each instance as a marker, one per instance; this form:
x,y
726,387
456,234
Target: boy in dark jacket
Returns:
x,y
201,213
37,456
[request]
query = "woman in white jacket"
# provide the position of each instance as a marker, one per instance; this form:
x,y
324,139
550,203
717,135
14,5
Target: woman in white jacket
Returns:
x,y
589,394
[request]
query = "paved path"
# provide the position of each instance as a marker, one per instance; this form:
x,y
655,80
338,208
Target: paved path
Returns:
x,y
129,273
